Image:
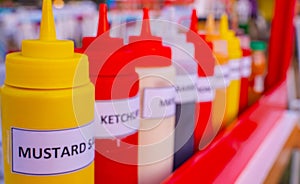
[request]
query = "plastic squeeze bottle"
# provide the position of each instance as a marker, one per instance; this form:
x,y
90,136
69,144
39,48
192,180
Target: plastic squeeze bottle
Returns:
x,y
117,106
221,73
205,90
157,77
47,111
235,55
246,68
183,58
185,84
258,71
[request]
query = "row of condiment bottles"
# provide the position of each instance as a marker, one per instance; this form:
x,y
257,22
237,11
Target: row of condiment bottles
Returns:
x,y
47,104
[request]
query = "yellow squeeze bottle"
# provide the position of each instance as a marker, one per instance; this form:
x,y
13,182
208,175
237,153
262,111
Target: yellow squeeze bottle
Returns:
x,y
235,54
47,111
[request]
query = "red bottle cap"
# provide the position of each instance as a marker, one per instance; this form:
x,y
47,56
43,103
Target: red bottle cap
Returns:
x,y
148,49
203,50
210,44
101,47
110,63
246,52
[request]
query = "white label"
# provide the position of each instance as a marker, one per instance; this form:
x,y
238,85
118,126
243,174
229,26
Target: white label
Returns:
x,y
185,88
205,90
235,73
159,102
221,76
259,84
117,117
246,66
52,152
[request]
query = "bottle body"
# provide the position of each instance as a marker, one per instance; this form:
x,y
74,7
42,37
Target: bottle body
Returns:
x,y
245,75
233,92
156,133
185,86
52,115
257,76
116,138
120,164
185,117
221,83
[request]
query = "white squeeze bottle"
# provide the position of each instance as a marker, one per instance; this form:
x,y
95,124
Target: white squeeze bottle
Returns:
x,y
157,76
183,58
185,86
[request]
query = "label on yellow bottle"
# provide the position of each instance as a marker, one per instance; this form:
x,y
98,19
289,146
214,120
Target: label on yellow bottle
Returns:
x,y
117,117
235,72
51,152
159,102
221,76
185,88
205,89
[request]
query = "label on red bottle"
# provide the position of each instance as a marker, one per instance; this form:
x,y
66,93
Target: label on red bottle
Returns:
x,y
159,102
235,73
117,117
246,66
221,76
185,88
205,89
51,152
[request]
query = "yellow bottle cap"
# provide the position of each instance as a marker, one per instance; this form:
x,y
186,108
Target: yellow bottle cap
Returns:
x,y
224,28
211,33
46,63
234,45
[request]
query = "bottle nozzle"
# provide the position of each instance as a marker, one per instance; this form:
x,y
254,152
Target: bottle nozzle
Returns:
x,y
47,30
224,25
194,21
146,30
103,24
210,24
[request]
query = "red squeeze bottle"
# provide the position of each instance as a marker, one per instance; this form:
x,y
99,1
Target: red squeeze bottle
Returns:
x,y
117,106
206,63
245,74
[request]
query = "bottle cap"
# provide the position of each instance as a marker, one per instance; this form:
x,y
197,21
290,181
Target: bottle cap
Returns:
x,y
224,28
111,69
234,46
210,29
219,45
209,43
183,53
101,47
258,45
46,63
203,51
147,45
